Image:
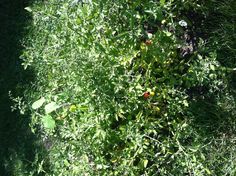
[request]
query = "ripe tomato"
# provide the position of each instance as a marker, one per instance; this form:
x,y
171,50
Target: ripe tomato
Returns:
x,y
146,95
148,42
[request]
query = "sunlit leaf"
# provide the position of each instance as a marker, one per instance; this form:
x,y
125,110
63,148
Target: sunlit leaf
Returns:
x,y
48,122
162,2
50,107
37,104
28,9
145,163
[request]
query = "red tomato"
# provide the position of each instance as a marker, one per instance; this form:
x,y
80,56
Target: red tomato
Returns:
x,y
146,95
148,42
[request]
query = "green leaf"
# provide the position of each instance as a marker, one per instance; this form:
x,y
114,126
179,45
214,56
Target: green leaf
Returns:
x,y
185,102
50,107
37,104
168,34
48,122
145,162
28,9
162,2
212,67
83,108
208,171
79,21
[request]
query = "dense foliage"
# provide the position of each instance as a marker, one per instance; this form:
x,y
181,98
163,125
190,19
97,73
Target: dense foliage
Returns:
x,y
132,87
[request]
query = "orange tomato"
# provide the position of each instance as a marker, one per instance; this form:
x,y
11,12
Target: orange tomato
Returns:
x,y
148,42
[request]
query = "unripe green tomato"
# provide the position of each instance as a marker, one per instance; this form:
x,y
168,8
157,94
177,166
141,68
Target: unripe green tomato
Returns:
x,y
72,108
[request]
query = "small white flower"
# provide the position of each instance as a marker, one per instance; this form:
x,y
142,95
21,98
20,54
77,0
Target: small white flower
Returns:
x,y
149,35
183,23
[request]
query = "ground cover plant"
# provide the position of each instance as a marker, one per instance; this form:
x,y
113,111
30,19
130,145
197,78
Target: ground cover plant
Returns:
x,y
132,87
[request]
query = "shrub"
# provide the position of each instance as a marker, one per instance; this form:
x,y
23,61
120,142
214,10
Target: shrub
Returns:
x,y
116,85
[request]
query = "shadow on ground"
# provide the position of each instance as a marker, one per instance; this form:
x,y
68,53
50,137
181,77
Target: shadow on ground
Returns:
x,y
213,115
17,143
